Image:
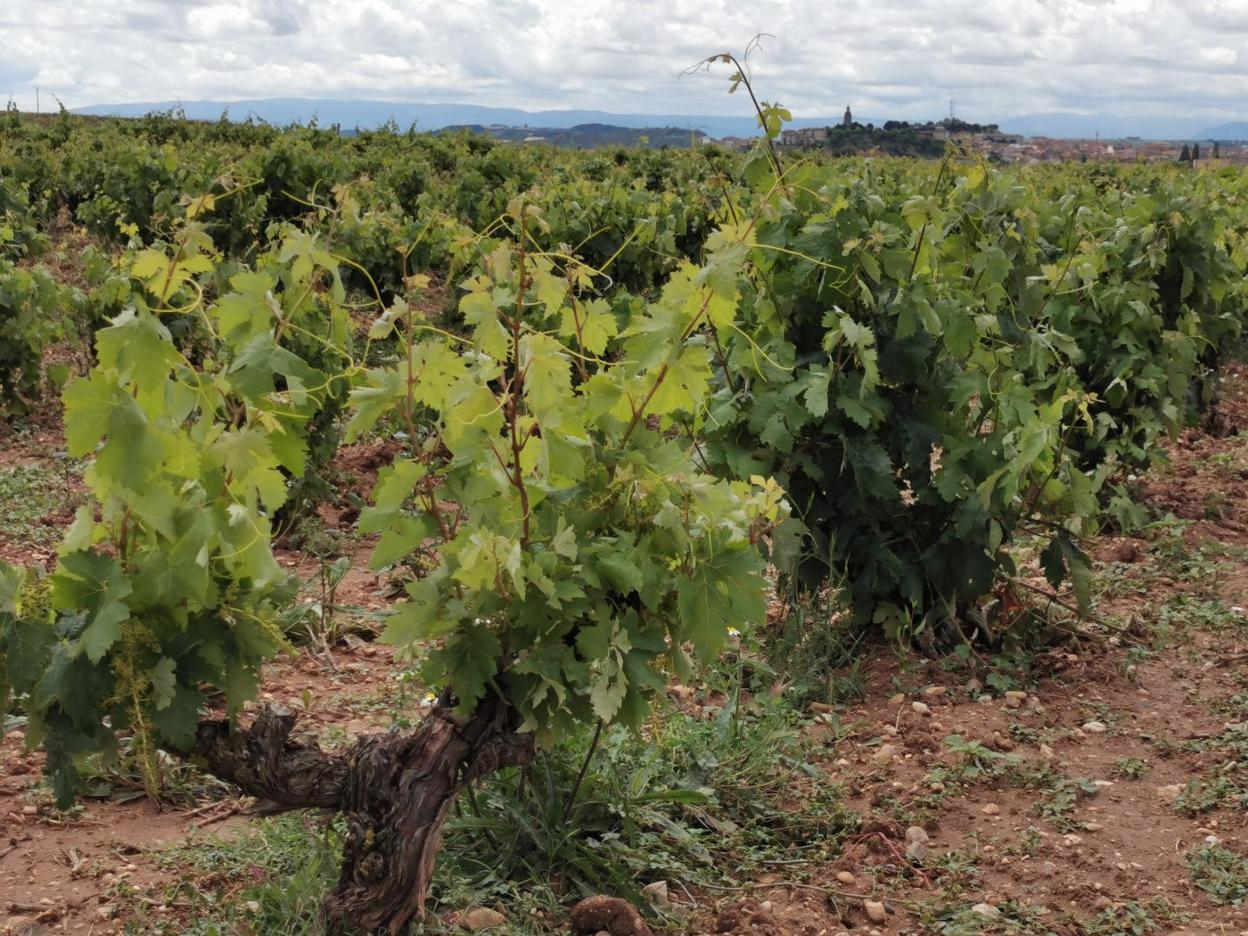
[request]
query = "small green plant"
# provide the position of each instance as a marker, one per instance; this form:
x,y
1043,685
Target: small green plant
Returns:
x,y
973,761
1130,768
1064,795
320,622
1134,919
817,649
962,919
1201,796
29,494
1220,873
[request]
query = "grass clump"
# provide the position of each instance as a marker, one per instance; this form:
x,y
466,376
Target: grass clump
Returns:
x,y
29,493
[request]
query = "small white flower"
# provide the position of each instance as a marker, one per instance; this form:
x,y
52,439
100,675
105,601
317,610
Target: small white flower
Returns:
x,y
733,632
429,699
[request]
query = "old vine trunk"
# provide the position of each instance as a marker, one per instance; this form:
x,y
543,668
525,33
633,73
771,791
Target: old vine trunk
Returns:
x,y
395,791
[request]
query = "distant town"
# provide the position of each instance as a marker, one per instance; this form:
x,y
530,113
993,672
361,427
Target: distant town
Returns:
x,y
901,138
892,138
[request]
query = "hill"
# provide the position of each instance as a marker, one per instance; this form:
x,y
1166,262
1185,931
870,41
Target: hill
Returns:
x,y
1236,130
1107,126
372,114
588,136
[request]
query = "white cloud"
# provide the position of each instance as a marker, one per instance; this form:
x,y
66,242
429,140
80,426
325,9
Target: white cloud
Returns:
x,y
888,58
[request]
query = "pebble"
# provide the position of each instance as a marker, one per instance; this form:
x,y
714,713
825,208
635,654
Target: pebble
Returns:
x,y
656,894
920,708
935,692
992,809
844,877
483,918
1015,698
875,911
1094,727
917,834
986,910
885,754
897,699
30,810
1170,791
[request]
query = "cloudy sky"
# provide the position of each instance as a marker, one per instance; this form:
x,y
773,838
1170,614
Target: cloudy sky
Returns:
x,y
895,58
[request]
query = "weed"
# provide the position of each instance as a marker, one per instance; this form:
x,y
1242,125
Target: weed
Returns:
x,y
1064,796
1220,873
701,796
271,880
1011,918
1185,611
1228,786
118,776
1217,505
1029,842
1130,768
818,651
956,872
973,761
1134,919
1025,734
28,494
321,622
1103,713
1132,659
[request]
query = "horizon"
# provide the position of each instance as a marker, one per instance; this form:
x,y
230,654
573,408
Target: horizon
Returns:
x,y
292,109
998,61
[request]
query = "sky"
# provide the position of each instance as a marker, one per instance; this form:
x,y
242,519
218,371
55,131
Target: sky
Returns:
x,y
888,58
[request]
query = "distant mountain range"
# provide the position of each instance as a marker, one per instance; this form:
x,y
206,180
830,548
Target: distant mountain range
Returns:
x,y
1110,126
588,136
1238,130
366,115
370,114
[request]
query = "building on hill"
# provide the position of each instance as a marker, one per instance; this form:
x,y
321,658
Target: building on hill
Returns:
x,y
805,136
848,119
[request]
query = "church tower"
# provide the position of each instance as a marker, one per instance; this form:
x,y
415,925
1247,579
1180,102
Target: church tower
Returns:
x,y
848,119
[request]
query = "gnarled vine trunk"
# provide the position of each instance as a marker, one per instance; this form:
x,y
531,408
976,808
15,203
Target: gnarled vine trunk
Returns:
x,y
395,791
